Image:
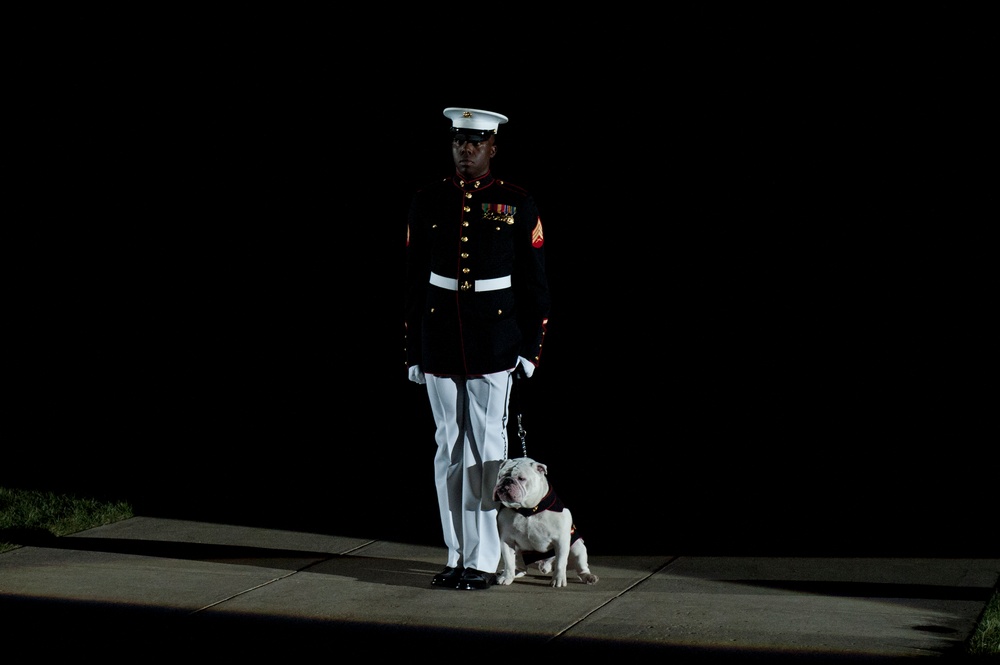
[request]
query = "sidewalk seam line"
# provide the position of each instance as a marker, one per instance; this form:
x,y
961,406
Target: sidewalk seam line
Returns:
x,y
245,591
283,577
610,600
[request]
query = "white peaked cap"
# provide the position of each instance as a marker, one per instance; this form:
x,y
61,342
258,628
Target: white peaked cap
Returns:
x,y
462,118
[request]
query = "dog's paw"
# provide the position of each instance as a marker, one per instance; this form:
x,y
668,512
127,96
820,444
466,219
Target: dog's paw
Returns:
x,y
545,566
588,577
559,580
504,580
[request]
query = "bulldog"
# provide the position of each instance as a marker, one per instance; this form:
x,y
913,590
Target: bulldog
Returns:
x,y
535,526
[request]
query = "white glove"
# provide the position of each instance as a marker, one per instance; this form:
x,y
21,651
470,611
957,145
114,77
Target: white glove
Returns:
x,y
529,367
415,375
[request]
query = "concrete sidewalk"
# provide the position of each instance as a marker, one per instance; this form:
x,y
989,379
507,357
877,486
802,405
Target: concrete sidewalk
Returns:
x,y
151,587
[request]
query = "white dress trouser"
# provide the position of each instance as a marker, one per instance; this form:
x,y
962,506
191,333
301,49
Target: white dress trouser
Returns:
x,y
470,414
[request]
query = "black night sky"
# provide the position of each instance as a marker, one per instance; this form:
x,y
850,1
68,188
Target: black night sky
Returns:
x,y
768,328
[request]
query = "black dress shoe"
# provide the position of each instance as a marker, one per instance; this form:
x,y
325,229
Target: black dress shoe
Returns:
x,y
473,579
448,577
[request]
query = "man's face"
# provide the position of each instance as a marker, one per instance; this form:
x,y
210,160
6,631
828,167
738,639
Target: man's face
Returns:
x,y
472,159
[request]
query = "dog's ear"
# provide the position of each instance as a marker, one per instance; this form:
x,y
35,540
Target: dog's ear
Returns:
x,y
541,467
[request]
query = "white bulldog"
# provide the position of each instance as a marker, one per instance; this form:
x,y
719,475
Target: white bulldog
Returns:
x,y
535,526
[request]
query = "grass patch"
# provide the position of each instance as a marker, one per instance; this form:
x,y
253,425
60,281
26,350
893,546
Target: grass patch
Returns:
x,y
985,640
27,515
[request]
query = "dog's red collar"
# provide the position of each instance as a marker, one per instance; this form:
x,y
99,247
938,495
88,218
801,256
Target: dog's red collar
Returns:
x,y
549,502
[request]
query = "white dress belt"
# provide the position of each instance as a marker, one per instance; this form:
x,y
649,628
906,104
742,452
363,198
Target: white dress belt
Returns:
x,y
494,284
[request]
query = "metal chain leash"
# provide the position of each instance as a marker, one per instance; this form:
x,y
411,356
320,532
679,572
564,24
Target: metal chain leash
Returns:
x,y
521,433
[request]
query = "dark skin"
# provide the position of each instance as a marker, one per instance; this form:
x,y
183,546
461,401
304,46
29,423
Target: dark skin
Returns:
x,y
473,159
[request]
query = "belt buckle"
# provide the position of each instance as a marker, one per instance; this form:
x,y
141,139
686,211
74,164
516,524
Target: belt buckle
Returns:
x,y
465,286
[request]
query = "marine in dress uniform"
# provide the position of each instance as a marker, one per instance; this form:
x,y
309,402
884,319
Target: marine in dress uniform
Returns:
x,y
477,305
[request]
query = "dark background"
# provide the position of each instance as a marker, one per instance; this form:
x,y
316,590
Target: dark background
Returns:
x,y
768,332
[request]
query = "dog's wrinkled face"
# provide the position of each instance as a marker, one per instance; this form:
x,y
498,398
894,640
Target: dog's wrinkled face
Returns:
x,y
521,483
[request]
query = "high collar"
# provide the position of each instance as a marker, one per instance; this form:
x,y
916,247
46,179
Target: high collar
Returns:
x,y
481,182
